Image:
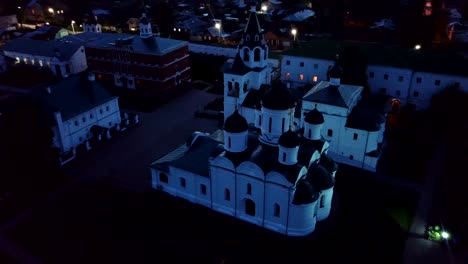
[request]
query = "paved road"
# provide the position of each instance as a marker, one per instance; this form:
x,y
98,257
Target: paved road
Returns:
x,y
125,156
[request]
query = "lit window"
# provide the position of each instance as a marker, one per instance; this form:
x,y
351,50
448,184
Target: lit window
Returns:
x,y
175,29
40,63
315,78
32,62
288,75
25,60
437,82
301,77
18,60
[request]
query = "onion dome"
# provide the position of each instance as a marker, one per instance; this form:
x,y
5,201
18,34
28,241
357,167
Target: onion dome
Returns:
x,y
314,117
236,123
319,177
335,72
279,98
328,163
305,193
144,20
289,139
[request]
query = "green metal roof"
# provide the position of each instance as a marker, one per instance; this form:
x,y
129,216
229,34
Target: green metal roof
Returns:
x,y
432,61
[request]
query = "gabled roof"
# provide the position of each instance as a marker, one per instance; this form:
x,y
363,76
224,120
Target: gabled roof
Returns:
x,y
75,95
253,25
342,96
154,45
43,48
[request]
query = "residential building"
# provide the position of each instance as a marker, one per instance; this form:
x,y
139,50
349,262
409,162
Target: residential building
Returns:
x,y
143,63
61,58
83,112
408,75
266,173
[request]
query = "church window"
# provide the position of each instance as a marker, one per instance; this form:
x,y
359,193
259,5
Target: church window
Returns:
x,y
315,79
437,82
229,86
229,142
227,194
284,156
355,135
269,125
246,55
249,207
288,62
288,75
330,132
282,124
310,133
322,201
371,75
257,55
257,38
163,177
203,188
249,188
245,88
415,93
301,64
418,80
385,76
276,210
301,77
351,157
400,78
183,182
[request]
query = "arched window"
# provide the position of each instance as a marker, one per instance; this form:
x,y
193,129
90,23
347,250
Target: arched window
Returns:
x,y
284,156
163,177
236,88
229,86
227,194
246,55
257,38
282,125
276,210
260,120
257,55
322,201
245,88
247,38
249,207
310,133
269,125
229,142
249,188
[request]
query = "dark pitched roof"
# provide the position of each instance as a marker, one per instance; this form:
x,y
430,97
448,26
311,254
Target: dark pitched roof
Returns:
x,y
254,97
62,50
314,117
278,97
75,95
365,117
328,163
305,193
236,67
289,139
195,159
342,96
144,20
236,123
253,24
336,71
154,45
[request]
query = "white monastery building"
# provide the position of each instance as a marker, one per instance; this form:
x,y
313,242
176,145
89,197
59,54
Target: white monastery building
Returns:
x,y
273,165
408,75
62,58
83,111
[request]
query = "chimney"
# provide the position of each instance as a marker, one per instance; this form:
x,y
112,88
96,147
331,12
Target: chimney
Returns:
x,y
91,77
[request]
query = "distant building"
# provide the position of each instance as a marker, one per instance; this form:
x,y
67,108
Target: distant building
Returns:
x,y
83,112
144,63
268,174
8,22
47,33
61,58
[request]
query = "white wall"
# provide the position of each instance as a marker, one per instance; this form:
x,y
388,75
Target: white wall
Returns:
x,y
222,179
276,194
324,204
312,68
396,85
302,219
213,50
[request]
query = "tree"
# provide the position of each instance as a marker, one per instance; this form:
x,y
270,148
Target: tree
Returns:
x,y
28,161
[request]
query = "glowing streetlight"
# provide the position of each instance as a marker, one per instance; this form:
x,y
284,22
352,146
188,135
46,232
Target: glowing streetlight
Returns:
x,y
73,26
294,33
19,7
264,8
51,10
445,235
218,26
417,47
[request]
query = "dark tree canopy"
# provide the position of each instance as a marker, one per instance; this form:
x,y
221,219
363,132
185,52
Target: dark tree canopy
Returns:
x,y
28,161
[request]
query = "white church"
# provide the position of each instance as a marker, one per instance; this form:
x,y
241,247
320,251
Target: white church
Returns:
x,y
270,166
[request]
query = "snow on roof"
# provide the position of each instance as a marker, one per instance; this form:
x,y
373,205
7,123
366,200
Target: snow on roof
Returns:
x,y
98,12
215,32
300,16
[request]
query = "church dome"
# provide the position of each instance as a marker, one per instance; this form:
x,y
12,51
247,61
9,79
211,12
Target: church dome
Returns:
x,y
279,98
319,177
335,72
328,163
314,117
236,123
289,139
305,193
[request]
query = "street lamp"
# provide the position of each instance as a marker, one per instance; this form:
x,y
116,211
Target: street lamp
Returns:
x,y
264,8
294,33
73,26
19,7
445,235
417,47
51,10
218,26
